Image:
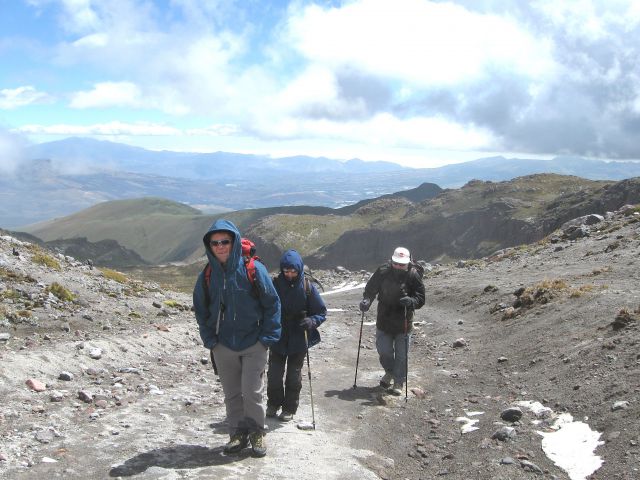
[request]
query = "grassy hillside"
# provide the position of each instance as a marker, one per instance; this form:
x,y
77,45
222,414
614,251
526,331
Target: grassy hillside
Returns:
x,y
468,222
155,228
159,230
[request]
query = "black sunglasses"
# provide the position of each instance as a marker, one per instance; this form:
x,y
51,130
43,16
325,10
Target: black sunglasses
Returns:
x,y
215,243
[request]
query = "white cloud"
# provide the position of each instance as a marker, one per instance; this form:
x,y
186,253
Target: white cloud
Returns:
x,y
591,19
214,131
385,130
21,96
11,151
111,128
108,94
413,74
94,40
416,41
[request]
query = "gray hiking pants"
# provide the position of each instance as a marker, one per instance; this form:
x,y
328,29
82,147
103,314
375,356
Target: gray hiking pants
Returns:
x,y
241,374
392,350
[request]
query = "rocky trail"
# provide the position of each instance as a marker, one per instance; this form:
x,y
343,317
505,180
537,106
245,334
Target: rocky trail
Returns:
x,y
114,383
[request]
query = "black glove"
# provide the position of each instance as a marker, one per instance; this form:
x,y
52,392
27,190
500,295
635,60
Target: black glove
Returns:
x,y
406,302
307,323
365,304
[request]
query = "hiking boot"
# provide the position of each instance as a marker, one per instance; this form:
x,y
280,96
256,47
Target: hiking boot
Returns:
x,y
237,442
286,416
272,411
397,390
385,381
258,444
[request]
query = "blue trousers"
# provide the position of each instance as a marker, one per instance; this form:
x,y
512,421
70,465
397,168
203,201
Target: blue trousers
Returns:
x,y
393,350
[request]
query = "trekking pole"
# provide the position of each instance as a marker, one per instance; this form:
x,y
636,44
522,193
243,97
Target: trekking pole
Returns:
x,y
313,415
406,357
355,380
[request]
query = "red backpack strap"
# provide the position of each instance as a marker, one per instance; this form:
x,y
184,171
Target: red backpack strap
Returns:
x,y
250,265
206,274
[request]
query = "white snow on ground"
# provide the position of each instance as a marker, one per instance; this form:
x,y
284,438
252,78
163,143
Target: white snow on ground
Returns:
x,y
468,423
537,408
335,310
344,287
571,445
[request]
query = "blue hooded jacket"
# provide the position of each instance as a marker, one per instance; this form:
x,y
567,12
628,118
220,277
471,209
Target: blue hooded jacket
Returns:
x,y
244,319
296,305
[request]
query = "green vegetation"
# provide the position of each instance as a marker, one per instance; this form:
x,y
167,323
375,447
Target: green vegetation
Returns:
x,y
162,231
114,275
8,274
10,294
578,292
47,260
172,277
61,292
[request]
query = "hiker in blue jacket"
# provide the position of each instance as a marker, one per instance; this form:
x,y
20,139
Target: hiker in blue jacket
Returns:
x,y
238,321
302,310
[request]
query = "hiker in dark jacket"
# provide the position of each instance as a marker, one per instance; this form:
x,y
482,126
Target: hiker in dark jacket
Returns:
x,y
400,292
238,322
303,310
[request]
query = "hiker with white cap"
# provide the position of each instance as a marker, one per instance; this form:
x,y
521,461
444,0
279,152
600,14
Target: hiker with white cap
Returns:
x,y
399,289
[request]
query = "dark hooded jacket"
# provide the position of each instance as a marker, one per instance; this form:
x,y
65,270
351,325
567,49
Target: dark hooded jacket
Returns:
x,y
296,305
390,285
235,316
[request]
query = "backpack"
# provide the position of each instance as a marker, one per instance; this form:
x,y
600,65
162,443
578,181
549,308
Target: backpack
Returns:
x,y
418,268
249,256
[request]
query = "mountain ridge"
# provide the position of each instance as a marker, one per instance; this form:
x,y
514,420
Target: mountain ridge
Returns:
x,y
436,225
57,181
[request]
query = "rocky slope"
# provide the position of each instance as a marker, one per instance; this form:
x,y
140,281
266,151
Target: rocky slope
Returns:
x,y
104,377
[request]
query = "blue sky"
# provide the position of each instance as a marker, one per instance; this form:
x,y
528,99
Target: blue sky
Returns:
x,y
418,82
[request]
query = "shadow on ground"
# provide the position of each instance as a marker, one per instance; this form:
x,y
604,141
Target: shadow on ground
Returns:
x,y
359,393
177,457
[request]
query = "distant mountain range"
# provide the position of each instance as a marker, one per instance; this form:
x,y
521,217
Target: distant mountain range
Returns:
x,y
70,175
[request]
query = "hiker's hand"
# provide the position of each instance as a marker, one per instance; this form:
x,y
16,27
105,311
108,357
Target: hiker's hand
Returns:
x,y
406,302
307,323
365,304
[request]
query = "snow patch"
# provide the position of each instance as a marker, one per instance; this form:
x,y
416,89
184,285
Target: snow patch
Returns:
x,y
570,444
344,287
571,447
468,424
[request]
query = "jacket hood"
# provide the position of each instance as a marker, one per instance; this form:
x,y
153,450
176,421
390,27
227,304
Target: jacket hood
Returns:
x,y
292,259
225,226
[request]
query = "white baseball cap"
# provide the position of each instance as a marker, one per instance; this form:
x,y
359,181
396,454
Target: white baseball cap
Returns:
x,y
401,255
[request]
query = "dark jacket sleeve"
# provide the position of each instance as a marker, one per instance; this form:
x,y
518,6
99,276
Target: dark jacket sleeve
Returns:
x,y
317,310
270,328
372,288
207,332
417,292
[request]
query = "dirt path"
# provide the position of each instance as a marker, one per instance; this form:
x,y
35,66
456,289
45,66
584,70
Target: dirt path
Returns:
x,y
157,411
176,430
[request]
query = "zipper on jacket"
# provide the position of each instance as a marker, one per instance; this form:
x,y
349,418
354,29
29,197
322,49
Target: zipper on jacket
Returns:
x,y
221,308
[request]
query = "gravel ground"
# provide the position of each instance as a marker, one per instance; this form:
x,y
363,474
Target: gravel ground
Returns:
x,y
142,401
